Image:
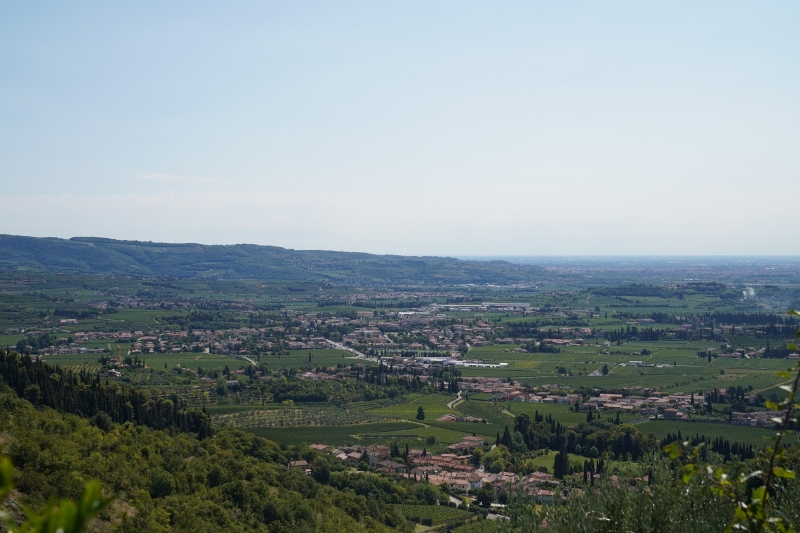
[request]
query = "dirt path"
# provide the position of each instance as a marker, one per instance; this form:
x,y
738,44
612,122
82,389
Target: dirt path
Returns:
x,y
454,401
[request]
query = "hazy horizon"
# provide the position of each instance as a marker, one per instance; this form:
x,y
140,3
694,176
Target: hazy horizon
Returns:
x,y
414,129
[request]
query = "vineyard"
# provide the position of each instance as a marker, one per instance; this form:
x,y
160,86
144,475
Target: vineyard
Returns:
x,y
434,405
438,514
290,417
758,437
213,410
491,412
77,367
299,358
330,435
468,428
562,413
686,371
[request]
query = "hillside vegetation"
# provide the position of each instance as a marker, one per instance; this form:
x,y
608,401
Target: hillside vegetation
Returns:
x,y
232,482
244,261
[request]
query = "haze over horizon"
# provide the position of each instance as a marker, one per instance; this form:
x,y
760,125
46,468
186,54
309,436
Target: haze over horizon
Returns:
x,y
448,129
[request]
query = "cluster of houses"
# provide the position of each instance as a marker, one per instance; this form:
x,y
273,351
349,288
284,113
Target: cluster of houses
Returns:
x,y
377,456
761,419
673,406
137,342
451,469
504,390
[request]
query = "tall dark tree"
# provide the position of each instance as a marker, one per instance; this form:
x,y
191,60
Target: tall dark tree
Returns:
x,y
506,440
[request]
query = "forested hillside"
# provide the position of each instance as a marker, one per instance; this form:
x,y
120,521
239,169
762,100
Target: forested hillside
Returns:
x,y
232,482
245,261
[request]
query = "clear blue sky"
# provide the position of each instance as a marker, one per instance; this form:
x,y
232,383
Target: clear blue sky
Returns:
x,y
447,128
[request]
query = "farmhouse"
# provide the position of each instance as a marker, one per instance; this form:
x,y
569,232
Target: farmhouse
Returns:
x,y
297,464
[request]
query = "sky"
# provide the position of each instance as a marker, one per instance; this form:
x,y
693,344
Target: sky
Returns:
x,y
416,127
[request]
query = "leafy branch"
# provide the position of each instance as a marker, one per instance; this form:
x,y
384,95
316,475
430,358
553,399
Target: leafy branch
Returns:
x,y
64,516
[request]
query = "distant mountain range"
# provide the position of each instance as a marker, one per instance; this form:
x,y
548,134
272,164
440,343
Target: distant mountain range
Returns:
x,y
94,255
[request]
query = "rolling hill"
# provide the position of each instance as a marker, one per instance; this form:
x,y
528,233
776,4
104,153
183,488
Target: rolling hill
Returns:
x,y
94,255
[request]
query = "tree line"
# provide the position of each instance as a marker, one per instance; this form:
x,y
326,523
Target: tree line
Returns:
x,y
719,445
87,395
597,437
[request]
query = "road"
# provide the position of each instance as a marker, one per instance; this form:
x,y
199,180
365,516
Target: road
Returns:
x,y
248,360
353,351
453,401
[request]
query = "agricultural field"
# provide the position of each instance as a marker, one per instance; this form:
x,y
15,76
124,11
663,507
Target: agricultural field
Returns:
x,y
332,435
434,405
547,458
687,372
293,416
299,359
160,361
758,437
10,340
680,378
434,439
468,428
439,514
373,422
216,410
492,412
562,413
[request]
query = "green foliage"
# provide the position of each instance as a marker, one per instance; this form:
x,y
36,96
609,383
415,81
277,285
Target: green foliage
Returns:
x,y
438,514
602,436
232,481
65,516
498,459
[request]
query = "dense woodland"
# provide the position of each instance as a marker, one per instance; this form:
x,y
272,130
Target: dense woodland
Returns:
x,y
231,481
622,440
89,396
